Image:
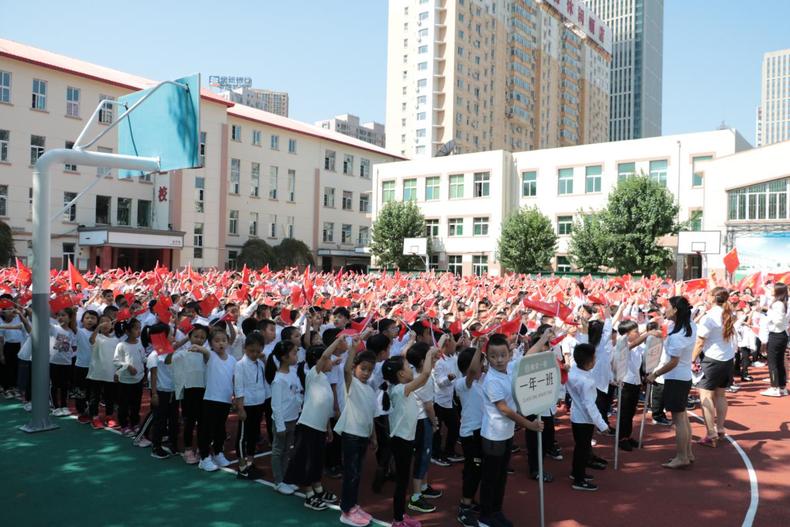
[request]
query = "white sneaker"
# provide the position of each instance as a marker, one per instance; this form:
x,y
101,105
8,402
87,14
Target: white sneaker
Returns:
x,y
758,364
64,412
142,442
771,392
220,460
284,488
207,464
783,391
28,407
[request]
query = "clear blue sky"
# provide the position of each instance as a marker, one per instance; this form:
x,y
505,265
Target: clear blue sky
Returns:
x,y
330,55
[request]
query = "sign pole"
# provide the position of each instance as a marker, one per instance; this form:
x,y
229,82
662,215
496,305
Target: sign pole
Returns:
x,y
648,401
617,426
540,474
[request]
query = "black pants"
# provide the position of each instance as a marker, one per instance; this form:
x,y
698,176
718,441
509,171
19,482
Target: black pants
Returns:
x,y
333,452
249,431
532,441
211,434
81,387
102,391
777,344
449,418
307,461
59,387
8,371
354,448
496,457
403,453
582,449
25,378
473,462
603,401
267,413
657,401
165,419
129,397
384,453
628,403
743,359
191,413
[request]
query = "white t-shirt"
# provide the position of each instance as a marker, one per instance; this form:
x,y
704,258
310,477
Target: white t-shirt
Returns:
x,y
127,354
497,387
286,399
680,346
403,413
424,396
357,416
777,317
164,372
634,365
375,381
83,348
471,406
711,329
249,382
13,335
443,386
219,378
189,370
602,371
318,400
61,344
102,354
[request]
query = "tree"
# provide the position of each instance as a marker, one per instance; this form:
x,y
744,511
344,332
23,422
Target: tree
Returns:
x,y
293,253
527,242
6,244
396,221
639,212
256,253
590,248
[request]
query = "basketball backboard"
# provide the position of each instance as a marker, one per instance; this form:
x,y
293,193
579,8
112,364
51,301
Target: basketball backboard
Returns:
x,y
415,246
699,242
166,126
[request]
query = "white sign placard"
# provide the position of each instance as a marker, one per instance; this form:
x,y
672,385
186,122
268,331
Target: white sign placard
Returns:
x,y
620,357
536,383
652,355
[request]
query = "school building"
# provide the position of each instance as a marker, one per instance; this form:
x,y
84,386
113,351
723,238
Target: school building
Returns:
x,y
263,176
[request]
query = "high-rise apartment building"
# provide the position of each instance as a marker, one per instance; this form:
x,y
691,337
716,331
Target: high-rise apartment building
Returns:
x,y
495,74
637,28
773,116
347,124
266,100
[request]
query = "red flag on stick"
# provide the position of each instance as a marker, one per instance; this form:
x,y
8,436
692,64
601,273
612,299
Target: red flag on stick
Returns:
x,y
161,344
23,274
696,285
731,261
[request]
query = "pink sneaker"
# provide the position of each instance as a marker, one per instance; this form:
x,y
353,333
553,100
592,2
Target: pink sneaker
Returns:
x,y
353,518
408,521
362,513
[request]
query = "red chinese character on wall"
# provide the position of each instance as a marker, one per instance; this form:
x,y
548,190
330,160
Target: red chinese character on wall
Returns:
x,y
163,193
591,25
570,7
580,13
600,34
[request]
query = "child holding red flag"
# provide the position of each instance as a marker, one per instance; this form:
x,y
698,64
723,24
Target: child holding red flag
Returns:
x,y
101,373
129,361
63,338
189,376
286,403
249,390
164,404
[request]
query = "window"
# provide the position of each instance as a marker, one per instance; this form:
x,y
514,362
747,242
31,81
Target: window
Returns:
x,y
565,181
233,222
564,225
345,233
456,186
5,86
200,190
4,136
480,264
272,225
348,165
123,214
329,160
68,255
202,148
592,179
291,185
70,167
233,255
364,202
364,168
422,83
292,146
480,227
529,184
387,191
431,228
235,133
71,212
761,201
106,111
695,220
422,49
256,137
420,116
253,224
409,190
423,16
482,183
348,200
696,178
143,213
39,95
275,143
454,264
197,241
625,171
455,227
432,188
235,176
273,173
72,102
289,227
563,265
328,232
364,236
36,148
255,179
3,200
658,171
103,210
422,66
329,197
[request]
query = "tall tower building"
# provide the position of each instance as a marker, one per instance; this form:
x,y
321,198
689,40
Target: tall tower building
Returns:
x,y
637,28
495,74
773,115
266,100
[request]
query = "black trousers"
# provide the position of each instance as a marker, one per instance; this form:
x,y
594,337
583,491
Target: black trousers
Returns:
x,y
403,454
496,457
249,431
59,375
191,413
267,413
102,391
777,344
129,397
582,449
354,448
384,453
743,359
307,461
657,402
211,434
333,452
473,462
629,401
165,421
8,371
81,388
603,401
532,441
449,418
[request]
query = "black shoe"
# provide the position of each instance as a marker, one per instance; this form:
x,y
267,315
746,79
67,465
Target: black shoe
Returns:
x,y
489,521
514,449
690,405
662,420
504,522
249,473
585,485
315,503
611,431
587,477
420,505
511,470
328,497
555,453
634,442
600,460
466,517
431,493
334,472
626,445
440,461
474,507
595,465
454,458
378,481
159,453
547,477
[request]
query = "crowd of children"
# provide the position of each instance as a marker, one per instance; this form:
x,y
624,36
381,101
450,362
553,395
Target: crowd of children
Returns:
x,y
327,387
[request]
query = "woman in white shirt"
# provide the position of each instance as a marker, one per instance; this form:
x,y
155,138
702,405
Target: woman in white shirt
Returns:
x,y
777,342
716,339
674,369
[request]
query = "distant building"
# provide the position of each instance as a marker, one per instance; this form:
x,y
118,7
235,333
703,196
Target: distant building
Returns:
x,y
266,100
371,132
773,117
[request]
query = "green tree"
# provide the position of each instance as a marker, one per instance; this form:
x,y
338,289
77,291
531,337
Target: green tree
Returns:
x,y
6,244
256,253
396,221
639,212
590,248
527,242
293,253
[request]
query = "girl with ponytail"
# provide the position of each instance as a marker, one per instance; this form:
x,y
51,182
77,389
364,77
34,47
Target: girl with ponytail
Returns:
x,y
715,339
777,342
286,403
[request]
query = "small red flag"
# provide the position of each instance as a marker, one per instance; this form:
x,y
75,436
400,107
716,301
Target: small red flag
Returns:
x,y
342,302
23,274
456,327
161,344
162,309
731,261
6,304
285,315
695,285
510,327
208,304
76,279
185,326
123,314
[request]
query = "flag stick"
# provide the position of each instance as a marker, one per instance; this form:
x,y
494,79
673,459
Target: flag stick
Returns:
x,y
617,426
648,401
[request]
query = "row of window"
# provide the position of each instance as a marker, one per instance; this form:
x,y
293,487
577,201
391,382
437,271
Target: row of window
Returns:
x,y
256,137
347,201
272,230
455,227
765,201
348,164
346,234
255,181
481,187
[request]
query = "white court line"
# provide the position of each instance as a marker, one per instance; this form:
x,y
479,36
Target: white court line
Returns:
x,y
754,499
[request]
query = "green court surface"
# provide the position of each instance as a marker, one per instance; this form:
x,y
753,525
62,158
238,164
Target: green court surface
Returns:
x,y
79,476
